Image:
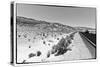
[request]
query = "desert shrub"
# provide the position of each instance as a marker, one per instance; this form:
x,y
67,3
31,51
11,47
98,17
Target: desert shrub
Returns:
x,y
44,42
38,53
25,35
48,54
32,55
61,47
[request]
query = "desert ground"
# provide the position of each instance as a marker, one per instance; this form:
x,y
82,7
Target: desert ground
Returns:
x,y
47,42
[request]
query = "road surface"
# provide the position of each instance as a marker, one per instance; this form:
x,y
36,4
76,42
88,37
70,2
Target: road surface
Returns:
x,y
90,45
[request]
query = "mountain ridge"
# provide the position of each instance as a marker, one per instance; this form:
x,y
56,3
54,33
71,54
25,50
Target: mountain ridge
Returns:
x,y
23,21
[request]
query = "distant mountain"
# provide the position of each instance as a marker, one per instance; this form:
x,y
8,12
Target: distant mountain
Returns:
x,y
57,27
83,29
29,21
49,26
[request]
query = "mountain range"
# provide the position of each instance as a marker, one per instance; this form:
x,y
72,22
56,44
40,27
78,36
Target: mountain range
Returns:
x,y
23,21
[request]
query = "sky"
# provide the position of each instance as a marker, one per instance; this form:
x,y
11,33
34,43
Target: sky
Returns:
x,y
72,16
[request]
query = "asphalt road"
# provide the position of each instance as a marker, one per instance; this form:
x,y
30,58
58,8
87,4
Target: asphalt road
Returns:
x,y
90,45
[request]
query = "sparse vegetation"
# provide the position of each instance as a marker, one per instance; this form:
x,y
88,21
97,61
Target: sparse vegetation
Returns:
x,y
62,46
25,35
38,53
32,55
57,38
44,42
48,54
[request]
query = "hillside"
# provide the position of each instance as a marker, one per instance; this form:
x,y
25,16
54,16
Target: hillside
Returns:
x,y
57,27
